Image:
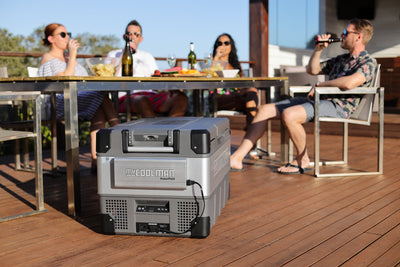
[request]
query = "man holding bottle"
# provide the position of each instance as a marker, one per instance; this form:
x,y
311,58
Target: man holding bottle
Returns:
x,y
346,71
147,103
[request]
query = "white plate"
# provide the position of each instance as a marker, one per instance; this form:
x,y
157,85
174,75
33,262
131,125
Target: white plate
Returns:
x,y
227,73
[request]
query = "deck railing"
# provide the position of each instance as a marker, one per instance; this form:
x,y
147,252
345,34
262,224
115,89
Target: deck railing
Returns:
x,y
39,54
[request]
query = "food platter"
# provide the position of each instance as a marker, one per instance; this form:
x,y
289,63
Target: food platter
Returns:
x,y
183,75
179,72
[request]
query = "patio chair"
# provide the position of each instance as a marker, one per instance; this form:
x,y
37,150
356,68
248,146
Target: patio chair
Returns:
x,y
3,72
362,117
298,76
27,123
11,109
6,135
32,71
52,121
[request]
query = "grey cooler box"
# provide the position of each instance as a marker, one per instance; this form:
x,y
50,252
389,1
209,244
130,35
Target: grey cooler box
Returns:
x,y
163,176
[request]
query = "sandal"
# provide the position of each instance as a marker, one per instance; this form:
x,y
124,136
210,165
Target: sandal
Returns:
x,y
253,154
297,169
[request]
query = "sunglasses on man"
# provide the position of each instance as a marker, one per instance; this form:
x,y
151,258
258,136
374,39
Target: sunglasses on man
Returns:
x,y
226,43
345,32
64,34
137,34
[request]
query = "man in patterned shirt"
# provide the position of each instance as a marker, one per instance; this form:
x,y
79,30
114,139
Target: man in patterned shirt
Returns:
x,y
346,71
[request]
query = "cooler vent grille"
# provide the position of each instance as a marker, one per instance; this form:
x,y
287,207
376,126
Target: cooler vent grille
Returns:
x,y
118,210
186,213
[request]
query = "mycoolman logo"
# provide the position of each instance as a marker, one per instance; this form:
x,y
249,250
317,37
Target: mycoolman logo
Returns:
x,y
163,174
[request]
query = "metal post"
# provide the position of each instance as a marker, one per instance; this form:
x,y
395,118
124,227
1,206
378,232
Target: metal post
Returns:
x,y
72,147
38,153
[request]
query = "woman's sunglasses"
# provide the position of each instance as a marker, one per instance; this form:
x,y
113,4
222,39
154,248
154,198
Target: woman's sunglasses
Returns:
x,y
64,34
226,43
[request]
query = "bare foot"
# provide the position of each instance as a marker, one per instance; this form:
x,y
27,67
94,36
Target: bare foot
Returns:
x,y
235,163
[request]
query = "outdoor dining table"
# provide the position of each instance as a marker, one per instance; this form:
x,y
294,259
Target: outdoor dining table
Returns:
x,y
70,85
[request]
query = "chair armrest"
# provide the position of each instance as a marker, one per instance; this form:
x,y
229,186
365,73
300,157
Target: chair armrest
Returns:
x,y
299,89
329,90
18,96
338,91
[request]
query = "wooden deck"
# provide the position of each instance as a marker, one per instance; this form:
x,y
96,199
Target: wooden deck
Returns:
x,y
269,220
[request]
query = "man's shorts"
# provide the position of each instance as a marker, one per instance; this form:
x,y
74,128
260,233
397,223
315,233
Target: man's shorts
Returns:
x,y
156,99
327,108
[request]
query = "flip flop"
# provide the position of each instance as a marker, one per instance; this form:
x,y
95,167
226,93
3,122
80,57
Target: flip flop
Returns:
x,y
300,170
237,170
253,154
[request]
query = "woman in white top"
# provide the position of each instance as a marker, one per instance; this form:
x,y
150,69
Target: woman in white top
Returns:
x,y
93,106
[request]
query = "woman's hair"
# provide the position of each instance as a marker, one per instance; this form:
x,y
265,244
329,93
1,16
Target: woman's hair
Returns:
x,y
48,31
233,57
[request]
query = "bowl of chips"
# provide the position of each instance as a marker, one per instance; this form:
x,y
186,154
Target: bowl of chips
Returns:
x,y
103,66
212,70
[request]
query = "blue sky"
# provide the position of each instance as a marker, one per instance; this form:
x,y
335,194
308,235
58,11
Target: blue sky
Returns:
x,y
168,25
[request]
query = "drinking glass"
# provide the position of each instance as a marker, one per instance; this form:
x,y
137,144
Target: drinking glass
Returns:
x,y
171,60
208,59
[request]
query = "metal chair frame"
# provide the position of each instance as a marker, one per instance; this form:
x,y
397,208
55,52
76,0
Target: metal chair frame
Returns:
x,y
33,72
362,117
6,135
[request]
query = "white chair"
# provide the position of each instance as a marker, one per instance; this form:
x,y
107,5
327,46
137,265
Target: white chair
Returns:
x,y
362,116
6,135
32,71
298,76
3,72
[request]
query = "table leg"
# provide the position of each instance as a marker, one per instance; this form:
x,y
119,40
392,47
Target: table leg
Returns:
x,y
38,155
214,103
196,103
72,147
285,145
265,99
53,134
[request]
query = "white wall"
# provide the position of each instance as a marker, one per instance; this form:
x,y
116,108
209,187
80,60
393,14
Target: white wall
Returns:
x,y
286,56
386,39
384,43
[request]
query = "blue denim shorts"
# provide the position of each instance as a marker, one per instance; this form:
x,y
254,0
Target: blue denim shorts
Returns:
x,y
327,108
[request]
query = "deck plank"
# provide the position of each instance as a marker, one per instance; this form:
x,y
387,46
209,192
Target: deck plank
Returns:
x,y
269,220
384,252
278,237
368,244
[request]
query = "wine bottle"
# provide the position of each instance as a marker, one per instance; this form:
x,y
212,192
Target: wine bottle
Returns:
x,y
127,60
329,40
191,57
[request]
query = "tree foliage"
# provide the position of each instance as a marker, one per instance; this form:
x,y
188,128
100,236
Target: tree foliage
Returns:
x,y
97,45
17,66
9,42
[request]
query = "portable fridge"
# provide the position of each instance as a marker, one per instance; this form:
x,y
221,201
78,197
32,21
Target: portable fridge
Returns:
x,y
165,176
